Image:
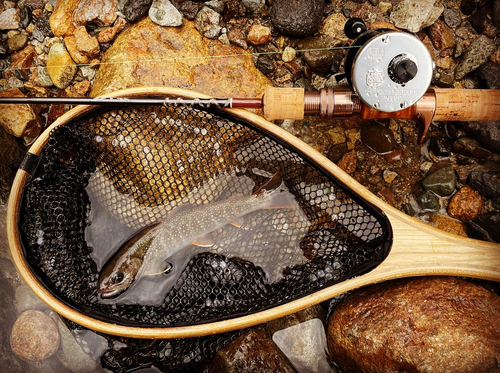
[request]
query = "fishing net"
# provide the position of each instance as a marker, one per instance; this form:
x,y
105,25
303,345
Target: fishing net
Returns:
x,y
103,177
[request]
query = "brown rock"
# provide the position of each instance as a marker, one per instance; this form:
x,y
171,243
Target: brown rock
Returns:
x,y
172,47
428,324
441,36
465,204
258,35
109,34
348,162
100,12
19,120
76,55
61,20
21,60
447,224
80,89
60,66
86,44
34,336
252,352
9,19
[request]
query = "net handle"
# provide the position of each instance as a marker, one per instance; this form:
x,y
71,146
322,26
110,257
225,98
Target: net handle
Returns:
x,y
418,249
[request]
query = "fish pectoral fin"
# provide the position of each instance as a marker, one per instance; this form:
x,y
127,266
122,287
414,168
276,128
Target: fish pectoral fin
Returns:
x,y
166,270
238,222
203,241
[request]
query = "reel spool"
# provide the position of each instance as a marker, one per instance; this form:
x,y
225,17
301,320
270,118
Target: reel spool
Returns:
x,y
390,71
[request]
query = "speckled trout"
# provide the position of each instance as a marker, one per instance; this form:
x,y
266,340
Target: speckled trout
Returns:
x,y
149,252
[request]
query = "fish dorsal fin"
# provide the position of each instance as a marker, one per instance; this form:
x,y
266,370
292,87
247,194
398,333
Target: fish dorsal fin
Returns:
x,y
203,241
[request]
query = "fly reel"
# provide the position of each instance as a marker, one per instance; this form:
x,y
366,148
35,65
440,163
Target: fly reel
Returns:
x,y
390,70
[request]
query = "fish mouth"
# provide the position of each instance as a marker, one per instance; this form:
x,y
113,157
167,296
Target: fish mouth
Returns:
x,y
109,294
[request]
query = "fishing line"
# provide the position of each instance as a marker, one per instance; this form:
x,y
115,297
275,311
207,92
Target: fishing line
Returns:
x,y
173,59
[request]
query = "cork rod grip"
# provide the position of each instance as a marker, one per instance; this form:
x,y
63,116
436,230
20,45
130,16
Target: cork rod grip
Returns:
x,y
283,103
467,104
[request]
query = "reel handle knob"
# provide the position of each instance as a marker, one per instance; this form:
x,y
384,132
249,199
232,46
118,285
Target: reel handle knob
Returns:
x,y
354,27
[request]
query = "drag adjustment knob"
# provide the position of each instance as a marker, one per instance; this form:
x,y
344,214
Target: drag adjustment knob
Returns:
x,y
402,69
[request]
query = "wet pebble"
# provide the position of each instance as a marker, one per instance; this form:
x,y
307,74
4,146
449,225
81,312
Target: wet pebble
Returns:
x,y
316,54
134,10
441,36
465,205
9,19
490,73
414,15
428,201
34,336
189,9
25,16
336,135
99,12
485,227
163,13
3,47
495,13
86,44
479,20
265,64
348,162
477,54
486,133
17,42
60,66
470,148
216,5
467,6
452,17
258,35
442,182
378,137
288,54
207,22
440,146
486,183
253,6
19,120
297,18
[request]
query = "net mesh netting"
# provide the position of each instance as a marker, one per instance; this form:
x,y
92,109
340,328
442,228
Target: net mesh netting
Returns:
x,y
104,177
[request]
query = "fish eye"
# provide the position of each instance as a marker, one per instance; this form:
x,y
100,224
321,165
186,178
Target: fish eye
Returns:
x,y
119,277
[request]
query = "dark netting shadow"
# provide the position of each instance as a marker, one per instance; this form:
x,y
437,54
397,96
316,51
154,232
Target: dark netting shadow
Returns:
x,y
131,167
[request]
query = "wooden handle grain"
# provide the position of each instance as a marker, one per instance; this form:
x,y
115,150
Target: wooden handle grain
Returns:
x,y
467,104
283,103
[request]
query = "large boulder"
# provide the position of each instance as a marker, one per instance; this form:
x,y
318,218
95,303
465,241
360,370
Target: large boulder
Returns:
x,y
147,54
428,324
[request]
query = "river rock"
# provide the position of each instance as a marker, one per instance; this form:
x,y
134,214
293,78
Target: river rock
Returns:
x,y
235,77
163,13
452,17
27,300
134,10
441,36
477,54
485,227
252,352
9,19
465,204
34,336
486,133
21,60
253,6
485,183
442,182
17,42
71,46
495,13
207,22
470,148
316,53
86,44
19,120
490,73
440,146
378,137
414,15
100,12
428,201
298,18
60,66
190,9
479,20
61,19
427,324
258,35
